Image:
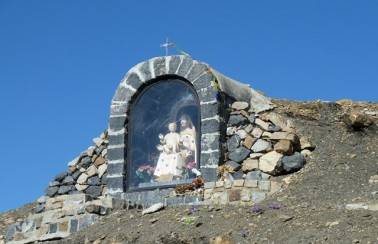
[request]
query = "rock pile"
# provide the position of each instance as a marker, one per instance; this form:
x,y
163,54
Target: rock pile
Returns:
x,y
264,142
85,174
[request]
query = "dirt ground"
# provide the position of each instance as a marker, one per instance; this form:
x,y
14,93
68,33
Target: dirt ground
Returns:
x,y
310,209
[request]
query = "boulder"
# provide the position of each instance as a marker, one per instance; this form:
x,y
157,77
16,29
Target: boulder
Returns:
x,y
233,166
102,169
233,142
65,189
94,191
74,162
284,146
242,134
250,164
82,179
253,175
81,187
61,176
93,181
240,105
99,161
90,151
239,154
276,119
249,141
230,131
51,191
85,162
264,125
283,135
236,120
257,132
92,170
68,180
261,146
270,163
293,163
357,121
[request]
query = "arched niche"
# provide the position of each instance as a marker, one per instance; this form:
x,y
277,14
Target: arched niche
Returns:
x,y
168,108
201,79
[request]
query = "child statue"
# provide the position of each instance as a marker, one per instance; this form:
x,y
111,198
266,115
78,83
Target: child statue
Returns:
x,y
170,162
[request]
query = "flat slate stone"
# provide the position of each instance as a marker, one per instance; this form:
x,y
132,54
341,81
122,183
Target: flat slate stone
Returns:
x,y
239,154
65,189
93,181
61,176
94,191
68,180
254,175
233,143
233,165
51,191
236,120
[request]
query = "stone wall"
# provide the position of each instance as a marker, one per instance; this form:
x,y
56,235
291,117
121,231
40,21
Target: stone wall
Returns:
x,y
85,174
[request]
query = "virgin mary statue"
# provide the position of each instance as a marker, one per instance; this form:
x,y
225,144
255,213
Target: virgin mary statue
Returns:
x,y
188,141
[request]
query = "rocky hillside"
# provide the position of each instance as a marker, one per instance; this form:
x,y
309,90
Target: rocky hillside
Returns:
x,y
331,200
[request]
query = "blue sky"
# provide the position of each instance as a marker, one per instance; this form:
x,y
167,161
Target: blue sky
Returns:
x,y
61,61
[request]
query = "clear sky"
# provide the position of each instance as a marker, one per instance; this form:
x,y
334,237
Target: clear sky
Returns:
x,y
61,61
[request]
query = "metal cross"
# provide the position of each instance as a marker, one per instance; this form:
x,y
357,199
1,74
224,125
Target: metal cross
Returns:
x,y
167,45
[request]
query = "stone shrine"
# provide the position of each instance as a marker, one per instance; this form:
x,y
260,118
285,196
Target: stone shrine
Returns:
x,y
179,132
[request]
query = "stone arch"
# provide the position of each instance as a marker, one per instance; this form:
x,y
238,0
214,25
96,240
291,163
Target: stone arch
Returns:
x,y
204,83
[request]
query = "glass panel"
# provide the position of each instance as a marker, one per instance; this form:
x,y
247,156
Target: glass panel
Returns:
x,y
163,135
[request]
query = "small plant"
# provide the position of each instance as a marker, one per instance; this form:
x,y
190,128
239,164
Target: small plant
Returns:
x,y
275,205
257,209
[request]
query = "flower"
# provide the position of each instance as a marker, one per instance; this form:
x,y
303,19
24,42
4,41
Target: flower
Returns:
x,y
146,168
257,209
275,205
190,165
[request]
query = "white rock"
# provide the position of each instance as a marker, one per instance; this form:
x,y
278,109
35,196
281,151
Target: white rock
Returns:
x,y
91,171
281,136
82,179
354,206
264,125
91,150
154,208
230,131
73,162
276,119
240,105
102,169
250,164
242,134
41,199
248,128
104,152
261,146
257,132
98,141
81,187
270,162
306,152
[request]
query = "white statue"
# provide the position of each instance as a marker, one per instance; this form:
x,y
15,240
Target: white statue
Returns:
x,y
188,140
170,161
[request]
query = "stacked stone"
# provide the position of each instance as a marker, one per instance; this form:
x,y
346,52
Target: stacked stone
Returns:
x,y
85,174
263,142
63,215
